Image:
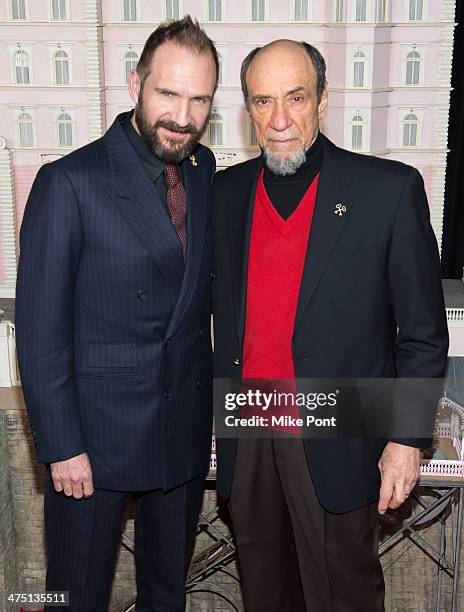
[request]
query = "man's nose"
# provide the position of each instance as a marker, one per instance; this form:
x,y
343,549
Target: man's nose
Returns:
x,y
182,113
280,119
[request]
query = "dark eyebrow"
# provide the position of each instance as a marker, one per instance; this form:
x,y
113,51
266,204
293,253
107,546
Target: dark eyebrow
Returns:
x,y
164,90
259,96
295,90
289,93
204,97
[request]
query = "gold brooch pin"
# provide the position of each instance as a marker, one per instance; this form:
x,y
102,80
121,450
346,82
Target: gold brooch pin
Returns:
x,y
193,160
340,210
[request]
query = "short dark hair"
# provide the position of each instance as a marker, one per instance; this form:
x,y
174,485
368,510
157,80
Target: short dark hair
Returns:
x,y
186,33
316,58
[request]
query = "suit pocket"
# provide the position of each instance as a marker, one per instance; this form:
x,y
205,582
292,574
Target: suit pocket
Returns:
x,y
117,358
359,258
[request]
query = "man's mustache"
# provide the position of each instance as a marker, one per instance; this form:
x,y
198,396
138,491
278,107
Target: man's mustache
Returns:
x,y
175,127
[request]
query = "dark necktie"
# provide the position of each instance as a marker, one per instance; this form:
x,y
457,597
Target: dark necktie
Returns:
x,y
177,202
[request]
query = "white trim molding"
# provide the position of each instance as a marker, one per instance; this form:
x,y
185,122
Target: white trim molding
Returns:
x,y
8,222
94,77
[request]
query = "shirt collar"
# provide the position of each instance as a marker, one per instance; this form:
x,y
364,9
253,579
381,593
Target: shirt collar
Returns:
x,y
154,166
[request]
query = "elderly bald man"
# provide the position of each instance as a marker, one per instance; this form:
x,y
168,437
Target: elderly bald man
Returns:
x,y
326,267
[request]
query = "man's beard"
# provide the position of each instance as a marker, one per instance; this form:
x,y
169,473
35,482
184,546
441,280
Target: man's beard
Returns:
x,y
149,133
284,166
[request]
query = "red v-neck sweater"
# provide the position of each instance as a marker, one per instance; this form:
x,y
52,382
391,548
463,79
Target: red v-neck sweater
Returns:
x,y
275,267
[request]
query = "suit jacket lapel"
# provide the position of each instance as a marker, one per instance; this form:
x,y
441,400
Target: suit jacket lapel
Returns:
x,y
132,191
240,215
196,187
334,188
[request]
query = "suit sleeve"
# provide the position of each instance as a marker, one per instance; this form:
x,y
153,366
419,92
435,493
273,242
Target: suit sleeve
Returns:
x,y
50,244
421,343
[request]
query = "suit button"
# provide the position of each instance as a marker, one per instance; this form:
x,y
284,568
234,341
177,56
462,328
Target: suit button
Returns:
x,y
167,395
167,342
142,294
201,333
237,361
199,383
212,276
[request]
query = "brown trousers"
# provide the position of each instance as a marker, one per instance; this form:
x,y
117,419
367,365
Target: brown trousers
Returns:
x,y
294,556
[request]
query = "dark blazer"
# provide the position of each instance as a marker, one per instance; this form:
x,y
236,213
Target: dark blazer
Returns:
x,y
366,272
113,330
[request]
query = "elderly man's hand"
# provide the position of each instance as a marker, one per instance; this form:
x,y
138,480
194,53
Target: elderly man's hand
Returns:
x,y
73,476
399,469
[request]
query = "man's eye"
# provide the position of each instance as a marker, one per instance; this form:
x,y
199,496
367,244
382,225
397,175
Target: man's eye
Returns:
x,y
167,94
261,102
199,100
297,99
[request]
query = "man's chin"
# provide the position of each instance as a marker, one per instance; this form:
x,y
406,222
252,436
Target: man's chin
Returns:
x,y
283,153
174,152
284,165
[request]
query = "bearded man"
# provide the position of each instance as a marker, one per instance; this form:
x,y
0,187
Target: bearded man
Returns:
x,y
326,268
113,314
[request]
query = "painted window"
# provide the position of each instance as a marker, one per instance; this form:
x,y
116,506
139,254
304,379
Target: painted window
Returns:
x,y
359,66
416,10
301,10
25,130
65,131
58,9
220,71
21,67
357,125
216,130
360,10
172,9
130,63
258,10
413,67
253,139
215,10
129,10
382,11
410,130
18,9
61,65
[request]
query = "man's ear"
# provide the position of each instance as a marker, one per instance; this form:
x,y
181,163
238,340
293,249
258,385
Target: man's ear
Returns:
x,y
322,107
134,85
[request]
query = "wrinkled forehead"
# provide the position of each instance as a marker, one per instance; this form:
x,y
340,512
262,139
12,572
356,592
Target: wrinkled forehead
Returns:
x,y
171,56
280,66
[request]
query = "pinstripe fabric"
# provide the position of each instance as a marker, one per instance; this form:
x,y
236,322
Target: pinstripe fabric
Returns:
x,y
83,537
112,326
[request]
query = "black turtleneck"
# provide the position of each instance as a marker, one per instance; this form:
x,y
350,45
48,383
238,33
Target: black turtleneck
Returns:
x,y
285,192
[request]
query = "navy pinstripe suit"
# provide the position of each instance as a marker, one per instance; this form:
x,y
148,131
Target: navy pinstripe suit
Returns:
x,y
112,326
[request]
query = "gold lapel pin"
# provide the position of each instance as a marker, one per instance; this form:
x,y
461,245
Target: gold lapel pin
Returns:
x,y
340,209
193,160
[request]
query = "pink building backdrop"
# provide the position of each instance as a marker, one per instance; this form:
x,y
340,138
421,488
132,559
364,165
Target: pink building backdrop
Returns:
x,y
64,65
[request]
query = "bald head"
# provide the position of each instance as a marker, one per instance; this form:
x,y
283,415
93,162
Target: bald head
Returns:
x,y
290,49
284,88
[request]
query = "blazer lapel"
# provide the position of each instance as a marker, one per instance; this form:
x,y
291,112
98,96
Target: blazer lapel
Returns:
x,y
334,188
240,216
132,191
196,187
